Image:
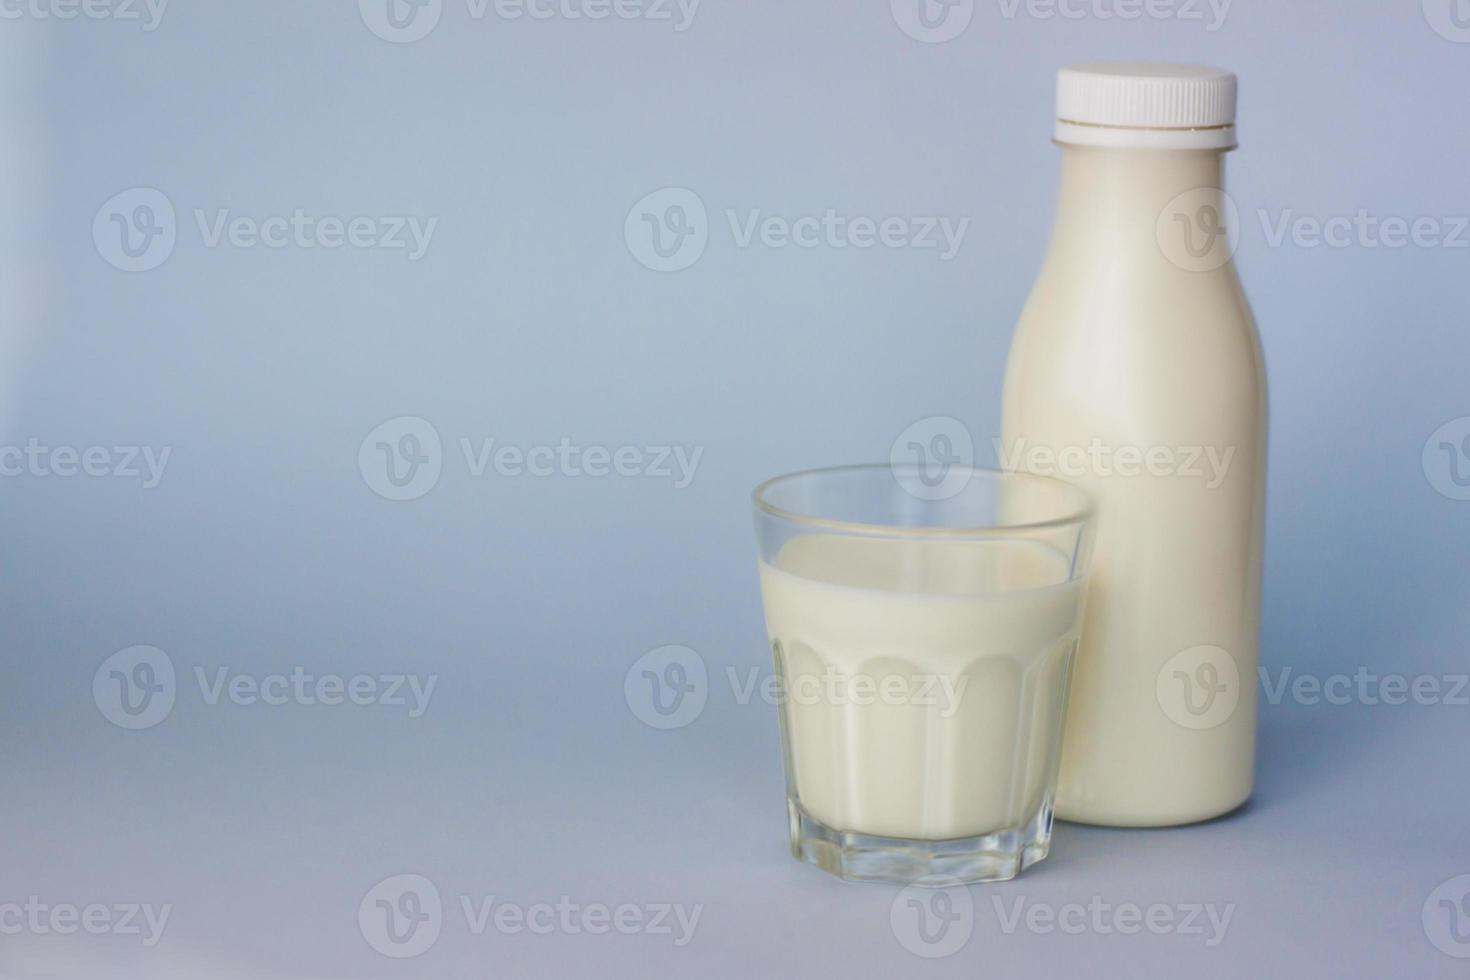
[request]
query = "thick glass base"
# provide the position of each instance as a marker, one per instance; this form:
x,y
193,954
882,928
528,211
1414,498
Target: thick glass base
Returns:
x,y
997,856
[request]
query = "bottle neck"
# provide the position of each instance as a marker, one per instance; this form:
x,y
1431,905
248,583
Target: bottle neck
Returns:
x,y
1115,198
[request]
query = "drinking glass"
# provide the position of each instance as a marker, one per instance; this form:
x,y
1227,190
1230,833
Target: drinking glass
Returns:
x,y
923,634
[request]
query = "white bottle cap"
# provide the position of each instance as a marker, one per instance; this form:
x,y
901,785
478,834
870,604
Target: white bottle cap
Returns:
x,y
1175,107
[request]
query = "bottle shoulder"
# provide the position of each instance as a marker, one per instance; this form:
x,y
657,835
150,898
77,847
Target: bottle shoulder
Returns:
x,y
1193,315
1113,349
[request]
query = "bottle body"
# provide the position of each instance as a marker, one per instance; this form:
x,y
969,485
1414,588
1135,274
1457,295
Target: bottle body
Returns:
x,y
1136,371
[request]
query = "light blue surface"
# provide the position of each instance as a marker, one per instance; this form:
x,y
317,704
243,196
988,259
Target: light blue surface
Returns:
x,y
530,320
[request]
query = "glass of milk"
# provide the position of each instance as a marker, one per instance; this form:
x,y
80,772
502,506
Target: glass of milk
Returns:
x,y
923,627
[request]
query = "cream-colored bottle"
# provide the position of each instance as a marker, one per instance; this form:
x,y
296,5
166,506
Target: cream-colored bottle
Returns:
x,y
1136,371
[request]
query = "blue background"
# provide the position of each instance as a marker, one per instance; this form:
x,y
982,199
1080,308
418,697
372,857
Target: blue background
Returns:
x,y
530,320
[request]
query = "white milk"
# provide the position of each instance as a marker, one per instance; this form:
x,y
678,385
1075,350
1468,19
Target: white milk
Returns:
x,y
964,648
1131,339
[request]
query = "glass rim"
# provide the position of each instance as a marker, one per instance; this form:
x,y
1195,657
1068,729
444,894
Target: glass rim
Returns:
x,y
1082,514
